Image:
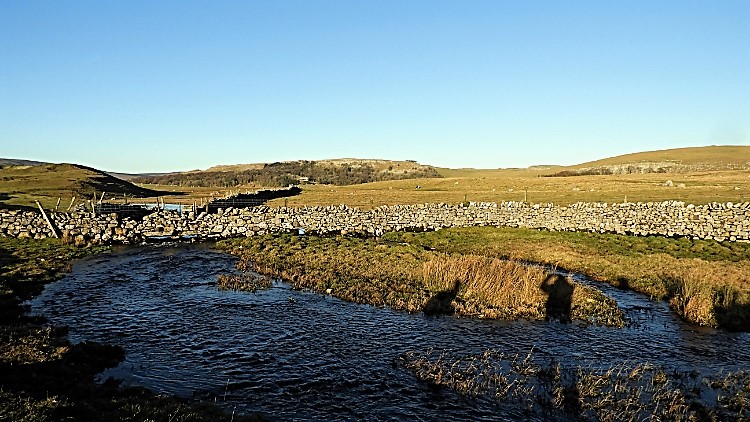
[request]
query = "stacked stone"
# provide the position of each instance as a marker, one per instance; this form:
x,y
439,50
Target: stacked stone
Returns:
x,y
718,221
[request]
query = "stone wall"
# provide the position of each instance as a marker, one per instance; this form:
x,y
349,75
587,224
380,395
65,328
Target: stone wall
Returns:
x,y
722,222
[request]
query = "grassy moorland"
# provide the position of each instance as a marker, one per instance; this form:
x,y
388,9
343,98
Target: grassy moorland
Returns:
x,y
705,282
710,157
281,174
43,376
519,185
698,175
22,185
414,279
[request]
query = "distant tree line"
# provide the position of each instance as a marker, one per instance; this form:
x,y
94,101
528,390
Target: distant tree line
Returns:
x,y
289,173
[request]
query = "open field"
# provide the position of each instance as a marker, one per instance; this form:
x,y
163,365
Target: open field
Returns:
x,y
519,185
724,177
497,186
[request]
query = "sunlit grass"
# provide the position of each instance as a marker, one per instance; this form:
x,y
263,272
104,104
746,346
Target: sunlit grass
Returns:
x,y
706,282
414,279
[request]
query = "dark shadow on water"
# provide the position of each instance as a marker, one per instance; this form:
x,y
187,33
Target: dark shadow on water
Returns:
x,y
559,297
733,316
442,302
622,283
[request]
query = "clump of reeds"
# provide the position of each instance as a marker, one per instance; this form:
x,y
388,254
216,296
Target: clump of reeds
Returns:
x,y
414,279
622,392
697,296
487,286
243,282
706,282
495,288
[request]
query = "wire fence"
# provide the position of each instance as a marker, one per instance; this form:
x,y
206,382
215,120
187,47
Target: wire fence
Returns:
x,y
211,206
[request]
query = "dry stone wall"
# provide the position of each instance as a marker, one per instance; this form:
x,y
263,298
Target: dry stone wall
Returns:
x,y
722,222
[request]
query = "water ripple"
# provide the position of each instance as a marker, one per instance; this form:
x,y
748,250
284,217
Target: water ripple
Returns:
x,y
317,357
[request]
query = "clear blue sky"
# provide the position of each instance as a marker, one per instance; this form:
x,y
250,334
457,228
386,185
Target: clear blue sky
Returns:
x,y
140,86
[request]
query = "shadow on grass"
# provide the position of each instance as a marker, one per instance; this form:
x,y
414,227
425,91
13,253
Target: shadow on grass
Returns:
x,y
442,302
5,206
559,297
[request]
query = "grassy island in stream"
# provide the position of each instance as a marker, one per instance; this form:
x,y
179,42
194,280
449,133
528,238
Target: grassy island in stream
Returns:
x,y
415,279
43,376
705,282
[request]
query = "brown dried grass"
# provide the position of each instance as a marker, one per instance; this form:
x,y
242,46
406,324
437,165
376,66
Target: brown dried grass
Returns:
x,y
409,278
488,284
622,392
706,282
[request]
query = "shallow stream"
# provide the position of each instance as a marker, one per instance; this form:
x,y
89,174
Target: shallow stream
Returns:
x,y
300,355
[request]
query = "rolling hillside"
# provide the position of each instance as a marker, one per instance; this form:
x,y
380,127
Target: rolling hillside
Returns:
x,y
679,160
8,162
21,185
345,171
718,156
699,175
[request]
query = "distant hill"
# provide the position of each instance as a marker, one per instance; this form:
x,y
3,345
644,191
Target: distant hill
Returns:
x,y
131,176
679,160
6,162
47,182
344,171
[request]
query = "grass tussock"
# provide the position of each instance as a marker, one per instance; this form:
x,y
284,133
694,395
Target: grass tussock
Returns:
x,y
622,392
486,280
243,282
413,279
705,282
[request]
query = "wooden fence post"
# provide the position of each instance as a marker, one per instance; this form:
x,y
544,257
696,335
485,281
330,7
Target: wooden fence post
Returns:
x,y
49,222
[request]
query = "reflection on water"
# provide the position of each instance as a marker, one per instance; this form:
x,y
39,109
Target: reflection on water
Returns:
x,y
299,355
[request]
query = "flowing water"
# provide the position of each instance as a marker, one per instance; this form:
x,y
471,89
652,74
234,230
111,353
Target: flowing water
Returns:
x,y
299,355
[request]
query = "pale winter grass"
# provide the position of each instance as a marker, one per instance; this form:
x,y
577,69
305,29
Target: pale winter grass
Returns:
x,y
706,282
496,288
495,284
414,279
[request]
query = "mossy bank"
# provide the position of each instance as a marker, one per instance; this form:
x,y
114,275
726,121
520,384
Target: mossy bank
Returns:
x,y
414,279
706,282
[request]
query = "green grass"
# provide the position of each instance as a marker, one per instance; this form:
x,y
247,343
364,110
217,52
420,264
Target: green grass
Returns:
x,y
484,240
706,282
414,279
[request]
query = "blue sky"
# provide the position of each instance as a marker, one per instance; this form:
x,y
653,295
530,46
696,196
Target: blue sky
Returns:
x,y
139,86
